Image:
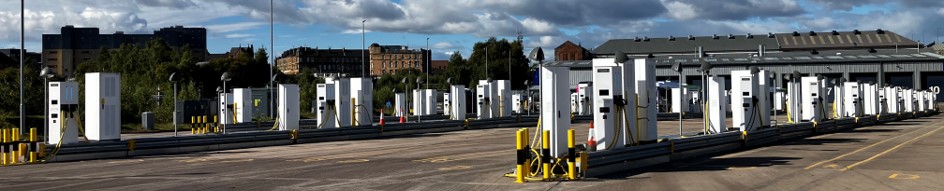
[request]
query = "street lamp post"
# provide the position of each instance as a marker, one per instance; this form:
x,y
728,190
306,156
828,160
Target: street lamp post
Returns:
x,y
271,57
46,73
678,68
173,79
538,54
226,77
363,47
419,81
427,60
22,56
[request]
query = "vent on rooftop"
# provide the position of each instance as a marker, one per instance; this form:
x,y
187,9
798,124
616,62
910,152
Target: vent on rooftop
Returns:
x,y
770,35
835,33
880,31
714,36
645,39
730,36
796,33
690,37
856,32
636,39
671,38
749,35
812,33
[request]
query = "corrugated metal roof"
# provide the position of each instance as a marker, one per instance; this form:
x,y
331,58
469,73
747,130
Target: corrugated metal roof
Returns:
x,y
794,41
784,58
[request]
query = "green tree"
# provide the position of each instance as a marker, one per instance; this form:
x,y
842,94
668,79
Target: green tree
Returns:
x,y
501,54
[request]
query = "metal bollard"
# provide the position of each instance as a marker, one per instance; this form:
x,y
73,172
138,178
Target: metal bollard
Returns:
x,y
572,156
193,121
520,140
33,145
546,154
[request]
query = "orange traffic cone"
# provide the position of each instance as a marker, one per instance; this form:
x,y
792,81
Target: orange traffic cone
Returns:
x,y
591,142
402,116
381,117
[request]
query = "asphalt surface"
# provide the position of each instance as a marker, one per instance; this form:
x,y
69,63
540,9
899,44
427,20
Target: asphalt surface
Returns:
x,y
897,156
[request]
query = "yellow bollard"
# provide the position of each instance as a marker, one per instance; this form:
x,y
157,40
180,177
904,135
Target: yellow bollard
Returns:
x,y
522,154
15,134
546,154
34,146
527,150
4,138
572,156
193,121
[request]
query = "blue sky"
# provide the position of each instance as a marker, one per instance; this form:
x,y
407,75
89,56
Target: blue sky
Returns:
x,y
456,25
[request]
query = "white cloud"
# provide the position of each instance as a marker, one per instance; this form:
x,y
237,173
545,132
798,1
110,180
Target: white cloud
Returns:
x,y
238,35
680,10
940,11
233,27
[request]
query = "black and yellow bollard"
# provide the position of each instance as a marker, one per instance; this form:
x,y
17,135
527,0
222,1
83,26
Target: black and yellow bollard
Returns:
x,y
193,121
216,124
206,126
520,140
546,154
527,151
34,146
4,149
572,156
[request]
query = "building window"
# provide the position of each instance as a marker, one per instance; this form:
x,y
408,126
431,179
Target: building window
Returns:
x,y
53,59
53,52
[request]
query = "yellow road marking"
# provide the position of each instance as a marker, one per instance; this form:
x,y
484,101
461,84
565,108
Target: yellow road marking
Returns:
x,y
240,160
194,160
455,168
903,176
890,150
448,159
126,161
858,150
353,161
831,166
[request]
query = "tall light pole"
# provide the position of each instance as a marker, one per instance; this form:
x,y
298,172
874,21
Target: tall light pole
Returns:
x,y
363,47
46,73
226,77
173,79
427,60
678,68
509,66
22,55
271,57
486,62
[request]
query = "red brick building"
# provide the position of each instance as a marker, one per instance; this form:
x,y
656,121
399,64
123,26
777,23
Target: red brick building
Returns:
x,y
570,51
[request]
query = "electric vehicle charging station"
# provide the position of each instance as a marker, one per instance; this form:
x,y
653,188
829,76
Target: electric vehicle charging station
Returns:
x,y
446,104
716,107
517,103
400,107
226,108
485,102
908,100
326,111
764,83
573,102
921,102
430,102
645,70
584,98
880,107
890,100
812,100
419,101
342,98
62,103
839,96
102,106
745,91
680,103
794,95
779,98
614,113
458,102
242,103
853,99
288,107
363,103
555,113
870,99
504,98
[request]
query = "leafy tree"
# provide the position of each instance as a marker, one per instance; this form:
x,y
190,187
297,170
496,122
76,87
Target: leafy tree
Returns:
x,y
501,54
